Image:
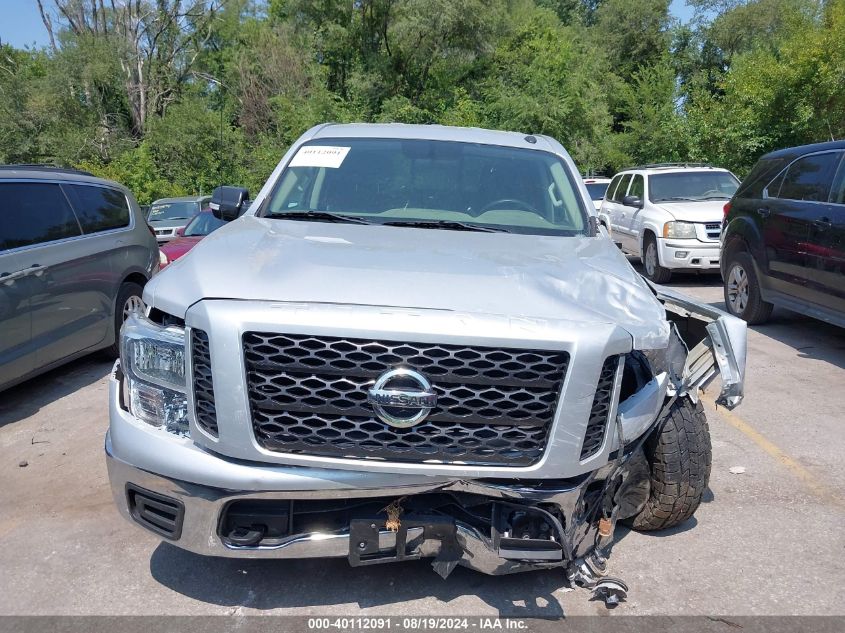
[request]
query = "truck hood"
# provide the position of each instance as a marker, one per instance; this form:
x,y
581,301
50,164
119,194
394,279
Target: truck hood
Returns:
x,y
704,211
579,279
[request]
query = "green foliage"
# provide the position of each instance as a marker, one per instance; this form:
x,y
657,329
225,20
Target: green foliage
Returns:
x,y
616,81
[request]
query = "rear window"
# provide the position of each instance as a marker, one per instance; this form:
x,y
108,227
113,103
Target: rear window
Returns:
x,y
620,192
596,190
34,213
760,176
809,178
178,210
98,208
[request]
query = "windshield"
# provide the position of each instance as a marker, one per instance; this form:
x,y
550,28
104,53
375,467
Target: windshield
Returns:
x,y
173,210
692,185
202,224
597,189
430,184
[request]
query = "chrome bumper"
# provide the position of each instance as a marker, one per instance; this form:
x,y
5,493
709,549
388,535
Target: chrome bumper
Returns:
x,y
203,506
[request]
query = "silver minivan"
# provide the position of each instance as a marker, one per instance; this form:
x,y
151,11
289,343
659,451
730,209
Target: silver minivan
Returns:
x,y
75,253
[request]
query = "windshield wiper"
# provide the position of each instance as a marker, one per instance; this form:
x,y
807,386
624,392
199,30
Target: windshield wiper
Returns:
x,y
317,216
675,198
446,224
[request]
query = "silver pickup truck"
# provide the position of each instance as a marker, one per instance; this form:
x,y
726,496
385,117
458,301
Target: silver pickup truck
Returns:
x,y
416,342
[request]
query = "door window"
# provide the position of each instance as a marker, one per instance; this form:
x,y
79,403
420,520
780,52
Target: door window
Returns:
x,y
637,187
622,189
608,195
837,192
98,208
34,213
810,178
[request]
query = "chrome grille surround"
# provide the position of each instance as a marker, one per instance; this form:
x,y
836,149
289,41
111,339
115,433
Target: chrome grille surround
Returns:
x,y
600,411
307,395
204,407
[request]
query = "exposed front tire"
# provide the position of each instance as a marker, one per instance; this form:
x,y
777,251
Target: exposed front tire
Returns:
x,y
128,299
679,456
742,290
651,262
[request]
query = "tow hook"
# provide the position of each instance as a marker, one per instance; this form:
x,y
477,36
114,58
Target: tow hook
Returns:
x,y
246,536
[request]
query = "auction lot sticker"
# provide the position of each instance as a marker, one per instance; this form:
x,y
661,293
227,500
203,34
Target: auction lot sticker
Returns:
x,y
319,156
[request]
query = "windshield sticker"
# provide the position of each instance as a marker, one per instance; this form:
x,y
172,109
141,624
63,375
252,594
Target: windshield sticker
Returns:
x,y
319,156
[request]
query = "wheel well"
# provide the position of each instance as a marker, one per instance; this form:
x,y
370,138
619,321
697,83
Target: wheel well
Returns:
x,y
646,234
734,245
136,278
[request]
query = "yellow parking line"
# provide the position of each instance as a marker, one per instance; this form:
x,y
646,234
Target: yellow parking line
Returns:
x,y
818,488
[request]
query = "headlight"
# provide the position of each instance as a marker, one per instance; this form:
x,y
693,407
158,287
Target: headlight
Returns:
x,y
679,230
153,360
162,259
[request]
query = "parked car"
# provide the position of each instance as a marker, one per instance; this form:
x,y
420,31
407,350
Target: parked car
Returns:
x,y
668,215
414,343
596,187
784,236
168,215
75,253
202,224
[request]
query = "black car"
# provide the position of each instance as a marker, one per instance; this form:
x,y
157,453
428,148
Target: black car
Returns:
x,y
783,237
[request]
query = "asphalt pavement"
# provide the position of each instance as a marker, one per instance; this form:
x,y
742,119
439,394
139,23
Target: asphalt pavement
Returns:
x,y
768,539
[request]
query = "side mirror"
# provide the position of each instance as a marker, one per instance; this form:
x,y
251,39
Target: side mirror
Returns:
x,y
632,201
180,232
227,203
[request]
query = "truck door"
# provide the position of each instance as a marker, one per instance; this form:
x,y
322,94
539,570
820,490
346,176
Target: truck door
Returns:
x,y
617,211
632,219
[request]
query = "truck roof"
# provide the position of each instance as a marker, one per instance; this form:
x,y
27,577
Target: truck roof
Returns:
x,y
434,133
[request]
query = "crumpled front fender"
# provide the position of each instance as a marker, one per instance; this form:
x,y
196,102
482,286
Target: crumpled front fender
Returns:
x,y
717,344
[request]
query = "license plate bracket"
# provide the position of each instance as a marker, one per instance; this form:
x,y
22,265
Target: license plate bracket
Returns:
x,y
371,544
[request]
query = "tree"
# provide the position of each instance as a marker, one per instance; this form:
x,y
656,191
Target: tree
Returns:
x,y
156,44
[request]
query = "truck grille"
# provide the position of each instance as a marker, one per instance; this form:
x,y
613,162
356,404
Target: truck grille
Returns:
x,y
308,395
713,229
206,413
600,411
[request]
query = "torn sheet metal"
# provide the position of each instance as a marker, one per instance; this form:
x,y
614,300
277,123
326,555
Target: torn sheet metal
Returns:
x,y
722,349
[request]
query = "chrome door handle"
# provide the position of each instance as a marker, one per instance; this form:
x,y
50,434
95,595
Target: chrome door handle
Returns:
x,y
35,269
822,224
764,212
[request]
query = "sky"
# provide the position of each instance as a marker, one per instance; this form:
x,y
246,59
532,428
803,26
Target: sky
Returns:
x,y
20,23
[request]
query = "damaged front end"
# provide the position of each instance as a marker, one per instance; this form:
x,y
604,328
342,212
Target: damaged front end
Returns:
x,y
495,525
716,344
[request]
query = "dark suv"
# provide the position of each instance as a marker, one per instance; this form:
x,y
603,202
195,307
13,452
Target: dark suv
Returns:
x,y
783,237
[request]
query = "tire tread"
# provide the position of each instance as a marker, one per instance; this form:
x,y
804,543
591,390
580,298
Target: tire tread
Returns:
x,y
680,459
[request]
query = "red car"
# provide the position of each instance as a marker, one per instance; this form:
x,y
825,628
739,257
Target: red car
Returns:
x,y
201,225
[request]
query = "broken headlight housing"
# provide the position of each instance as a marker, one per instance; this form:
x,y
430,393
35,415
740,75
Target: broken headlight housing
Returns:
x,y
153,360
670,359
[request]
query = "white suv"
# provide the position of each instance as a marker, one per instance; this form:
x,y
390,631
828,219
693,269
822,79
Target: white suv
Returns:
x,y
669,215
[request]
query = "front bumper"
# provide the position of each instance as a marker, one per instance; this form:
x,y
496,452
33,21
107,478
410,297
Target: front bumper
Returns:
x,y
691,254
202,484
203,507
